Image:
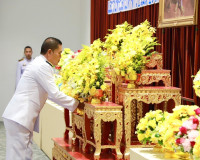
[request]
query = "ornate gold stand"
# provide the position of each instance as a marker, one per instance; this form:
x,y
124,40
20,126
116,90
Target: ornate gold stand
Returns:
x,y
150,76
133,109
107,112
156,60
78,126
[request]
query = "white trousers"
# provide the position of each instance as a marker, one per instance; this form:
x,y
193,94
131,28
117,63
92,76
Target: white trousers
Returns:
x,y
18,141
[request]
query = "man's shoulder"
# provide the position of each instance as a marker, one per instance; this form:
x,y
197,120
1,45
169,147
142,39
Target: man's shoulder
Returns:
x,y
20,59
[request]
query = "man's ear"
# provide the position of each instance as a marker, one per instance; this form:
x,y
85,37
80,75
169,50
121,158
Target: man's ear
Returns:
x,y
49,51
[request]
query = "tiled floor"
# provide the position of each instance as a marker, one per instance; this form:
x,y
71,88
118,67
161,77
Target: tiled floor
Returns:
x,y
37,153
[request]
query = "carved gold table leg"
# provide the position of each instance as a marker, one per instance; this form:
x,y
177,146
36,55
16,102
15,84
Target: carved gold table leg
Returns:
x,y
97,136
84,137
127,125
139,110
177,99
133,117
73,130
118,135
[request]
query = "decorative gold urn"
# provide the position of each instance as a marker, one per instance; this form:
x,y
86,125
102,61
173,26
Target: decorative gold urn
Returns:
x,y
97,97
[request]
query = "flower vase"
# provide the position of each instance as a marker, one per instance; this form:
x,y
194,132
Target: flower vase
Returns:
x,y
131,84
131,81
97,97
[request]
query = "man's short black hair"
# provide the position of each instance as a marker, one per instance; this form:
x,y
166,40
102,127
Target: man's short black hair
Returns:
x,y
27,47
50,43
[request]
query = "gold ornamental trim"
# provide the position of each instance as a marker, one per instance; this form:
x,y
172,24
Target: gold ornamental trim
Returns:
x,y
106,114
78,121
156,60
132,100
150,76
60,154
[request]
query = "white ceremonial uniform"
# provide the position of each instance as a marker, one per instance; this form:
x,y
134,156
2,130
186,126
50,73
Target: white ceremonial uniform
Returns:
x,y
36,84
21,65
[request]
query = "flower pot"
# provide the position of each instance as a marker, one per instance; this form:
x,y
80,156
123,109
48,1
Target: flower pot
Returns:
x,y
99,93
132,84
97,97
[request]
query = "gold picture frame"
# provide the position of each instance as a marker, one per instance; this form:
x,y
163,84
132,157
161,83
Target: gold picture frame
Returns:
x,y
174,13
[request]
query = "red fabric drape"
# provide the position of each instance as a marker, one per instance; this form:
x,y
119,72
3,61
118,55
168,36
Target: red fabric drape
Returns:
x,y
180,46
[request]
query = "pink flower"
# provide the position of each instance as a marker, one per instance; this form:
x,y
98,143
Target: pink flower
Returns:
x,y
73,56
193,134
189,124
197,111
183,130
186,145
180,141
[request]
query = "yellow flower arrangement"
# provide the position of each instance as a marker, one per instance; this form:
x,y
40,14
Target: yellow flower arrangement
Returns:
x,y
196,84
85,73
147,129
66,56
138,44
196,150
115,38
173,123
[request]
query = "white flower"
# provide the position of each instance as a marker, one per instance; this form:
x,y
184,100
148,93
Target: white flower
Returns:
x,y
189,124
193,134
186,145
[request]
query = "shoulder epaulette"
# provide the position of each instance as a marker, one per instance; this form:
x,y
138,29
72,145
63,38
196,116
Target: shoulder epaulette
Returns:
x,y
21,59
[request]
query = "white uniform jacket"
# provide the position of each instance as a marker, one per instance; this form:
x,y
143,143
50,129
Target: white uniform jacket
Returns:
x,y
21,65
36,84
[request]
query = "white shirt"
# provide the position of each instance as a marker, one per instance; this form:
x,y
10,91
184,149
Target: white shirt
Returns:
x,y
21,65
35,85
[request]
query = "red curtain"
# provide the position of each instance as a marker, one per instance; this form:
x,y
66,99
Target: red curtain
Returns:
x,y
180,46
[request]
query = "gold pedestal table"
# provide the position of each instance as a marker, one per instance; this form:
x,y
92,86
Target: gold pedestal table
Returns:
x,y
132,100
106,112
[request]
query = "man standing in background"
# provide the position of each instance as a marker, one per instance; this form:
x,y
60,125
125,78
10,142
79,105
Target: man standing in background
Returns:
x,y
22,63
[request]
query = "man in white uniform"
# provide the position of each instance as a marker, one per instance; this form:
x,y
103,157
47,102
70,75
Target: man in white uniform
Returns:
x,y
22,63
35,85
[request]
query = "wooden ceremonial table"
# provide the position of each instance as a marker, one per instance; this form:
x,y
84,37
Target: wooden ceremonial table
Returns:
x,y
132,100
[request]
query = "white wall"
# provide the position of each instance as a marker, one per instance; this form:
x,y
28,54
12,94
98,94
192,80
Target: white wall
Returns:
x,y
85,22
29,22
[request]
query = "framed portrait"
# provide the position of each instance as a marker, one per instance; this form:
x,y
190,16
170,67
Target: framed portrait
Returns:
x,y
174,13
